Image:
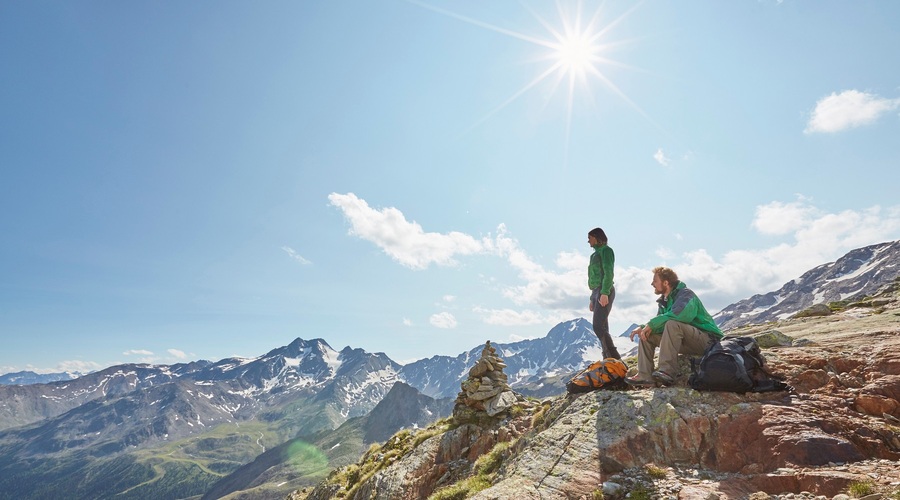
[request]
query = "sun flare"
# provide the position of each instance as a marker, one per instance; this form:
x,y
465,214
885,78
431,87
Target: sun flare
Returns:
x,y
577,55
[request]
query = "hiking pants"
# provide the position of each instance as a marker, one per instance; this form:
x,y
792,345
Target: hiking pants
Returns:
x,y
677,337
601,323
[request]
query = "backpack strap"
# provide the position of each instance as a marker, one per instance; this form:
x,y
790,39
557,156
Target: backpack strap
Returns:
x,y
741,369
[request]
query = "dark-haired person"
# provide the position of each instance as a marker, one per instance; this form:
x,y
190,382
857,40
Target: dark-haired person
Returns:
x,y
600,281
682,325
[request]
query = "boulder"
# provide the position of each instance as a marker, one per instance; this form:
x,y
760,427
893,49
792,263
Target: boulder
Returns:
x,y
815,310
501,403
772,338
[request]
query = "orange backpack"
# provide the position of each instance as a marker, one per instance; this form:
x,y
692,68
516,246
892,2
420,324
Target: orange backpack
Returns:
x,y
607,373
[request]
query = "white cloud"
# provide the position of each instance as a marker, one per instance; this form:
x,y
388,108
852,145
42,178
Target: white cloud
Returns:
x,y
661,158
443,320
777,218
664,253
510,317
138,352
294,255
548,296
634,301
407,322
404,241
566,289
176,353
849,109
819,238
449,298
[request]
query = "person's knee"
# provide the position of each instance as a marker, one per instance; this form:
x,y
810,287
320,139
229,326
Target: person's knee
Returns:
x,y
674,329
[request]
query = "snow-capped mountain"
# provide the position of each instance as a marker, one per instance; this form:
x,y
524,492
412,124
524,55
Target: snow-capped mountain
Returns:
x,y
347,383
859,273
223,414
53,433
24,404
29,377
300,365
340,384
568,347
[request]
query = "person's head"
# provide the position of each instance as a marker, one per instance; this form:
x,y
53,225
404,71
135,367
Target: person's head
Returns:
x,y
596,236
664,280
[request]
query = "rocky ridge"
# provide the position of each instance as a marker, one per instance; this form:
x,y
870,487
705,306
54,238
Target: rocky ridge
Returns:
x,y
858,273
836,433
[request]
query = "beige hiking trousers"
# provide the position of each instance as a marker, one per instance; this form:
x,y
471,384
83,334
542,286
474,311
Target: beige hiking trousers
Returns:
x,y
677,337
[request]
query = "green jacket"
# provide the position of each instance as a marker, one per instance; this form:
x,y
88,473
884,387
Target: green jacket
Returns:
x,y
683,305
600,270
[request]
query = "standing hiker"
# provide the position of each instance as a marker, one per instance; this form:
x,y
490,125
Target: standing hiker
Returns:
x,y
600,281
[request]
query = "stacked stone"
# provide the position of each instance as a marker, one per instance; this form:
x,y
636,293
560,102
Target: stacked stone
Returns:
x,y
487,388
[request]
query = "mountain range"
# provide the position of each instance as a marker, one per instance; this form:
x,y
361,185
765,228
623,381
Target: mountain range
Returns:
x,y
29,377
201,421
257,427
859,273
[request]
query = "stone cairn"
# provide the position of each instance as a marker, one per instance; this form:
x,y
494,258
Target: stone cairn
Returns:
x,y
487,389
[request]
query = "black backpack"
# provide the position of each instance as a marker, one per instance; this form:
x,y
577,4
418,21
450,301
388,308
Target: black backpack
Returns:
x,y
734,364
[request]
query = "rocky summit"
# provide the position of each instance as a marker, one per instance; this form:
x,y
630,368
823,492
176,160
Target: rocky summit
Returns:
x,y
835,435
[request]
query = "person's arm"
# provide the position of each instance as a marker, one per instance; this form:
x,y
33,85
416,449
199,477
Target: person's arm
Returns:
x,y
607,263
683,310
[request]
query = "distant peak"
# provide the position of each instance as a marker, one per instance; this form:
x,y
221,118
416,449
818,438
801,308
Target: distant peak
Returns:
x,y
401,389
569,328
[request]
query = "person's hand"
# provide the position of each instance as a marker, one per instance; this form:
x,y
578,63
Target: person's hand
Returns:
x,y
636,331
604,300
643,333
591,305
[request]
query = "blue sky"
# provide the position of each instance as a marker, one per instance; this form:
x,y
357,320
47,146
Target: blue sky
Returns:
x,y
196,180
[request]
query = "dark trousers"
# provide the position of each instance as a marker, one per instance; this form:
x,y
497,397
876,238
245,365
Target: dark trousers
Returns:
x,y
601,323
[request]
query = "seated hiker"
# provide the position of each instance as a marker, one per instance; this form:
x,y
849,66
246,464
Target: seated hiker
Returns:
x,y
682,325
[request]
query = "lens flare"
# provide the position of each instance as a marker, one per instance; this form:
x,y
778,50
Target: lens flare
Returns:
x,y
576,55
305,457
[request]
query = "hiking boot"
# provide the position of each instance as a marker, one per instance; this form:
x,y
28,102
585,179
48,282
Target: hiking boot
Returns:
x,y
636,382
663,378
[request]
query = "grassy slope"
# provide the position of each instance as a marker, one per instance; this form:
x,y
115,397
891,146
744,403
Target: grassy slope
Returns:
x,y
178,469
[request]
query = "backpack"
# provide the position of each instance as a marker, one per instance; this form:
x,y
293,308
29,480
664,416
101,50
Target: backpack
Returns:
x,y
734,364
607,373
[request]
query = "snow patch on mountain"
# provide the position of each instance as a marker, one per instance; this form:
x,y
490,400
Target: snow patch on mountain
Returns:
x,y
591,353
858,273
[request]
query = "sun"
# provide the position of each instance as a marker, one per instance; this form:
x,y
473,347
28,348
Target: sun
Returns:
x,y
578,52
